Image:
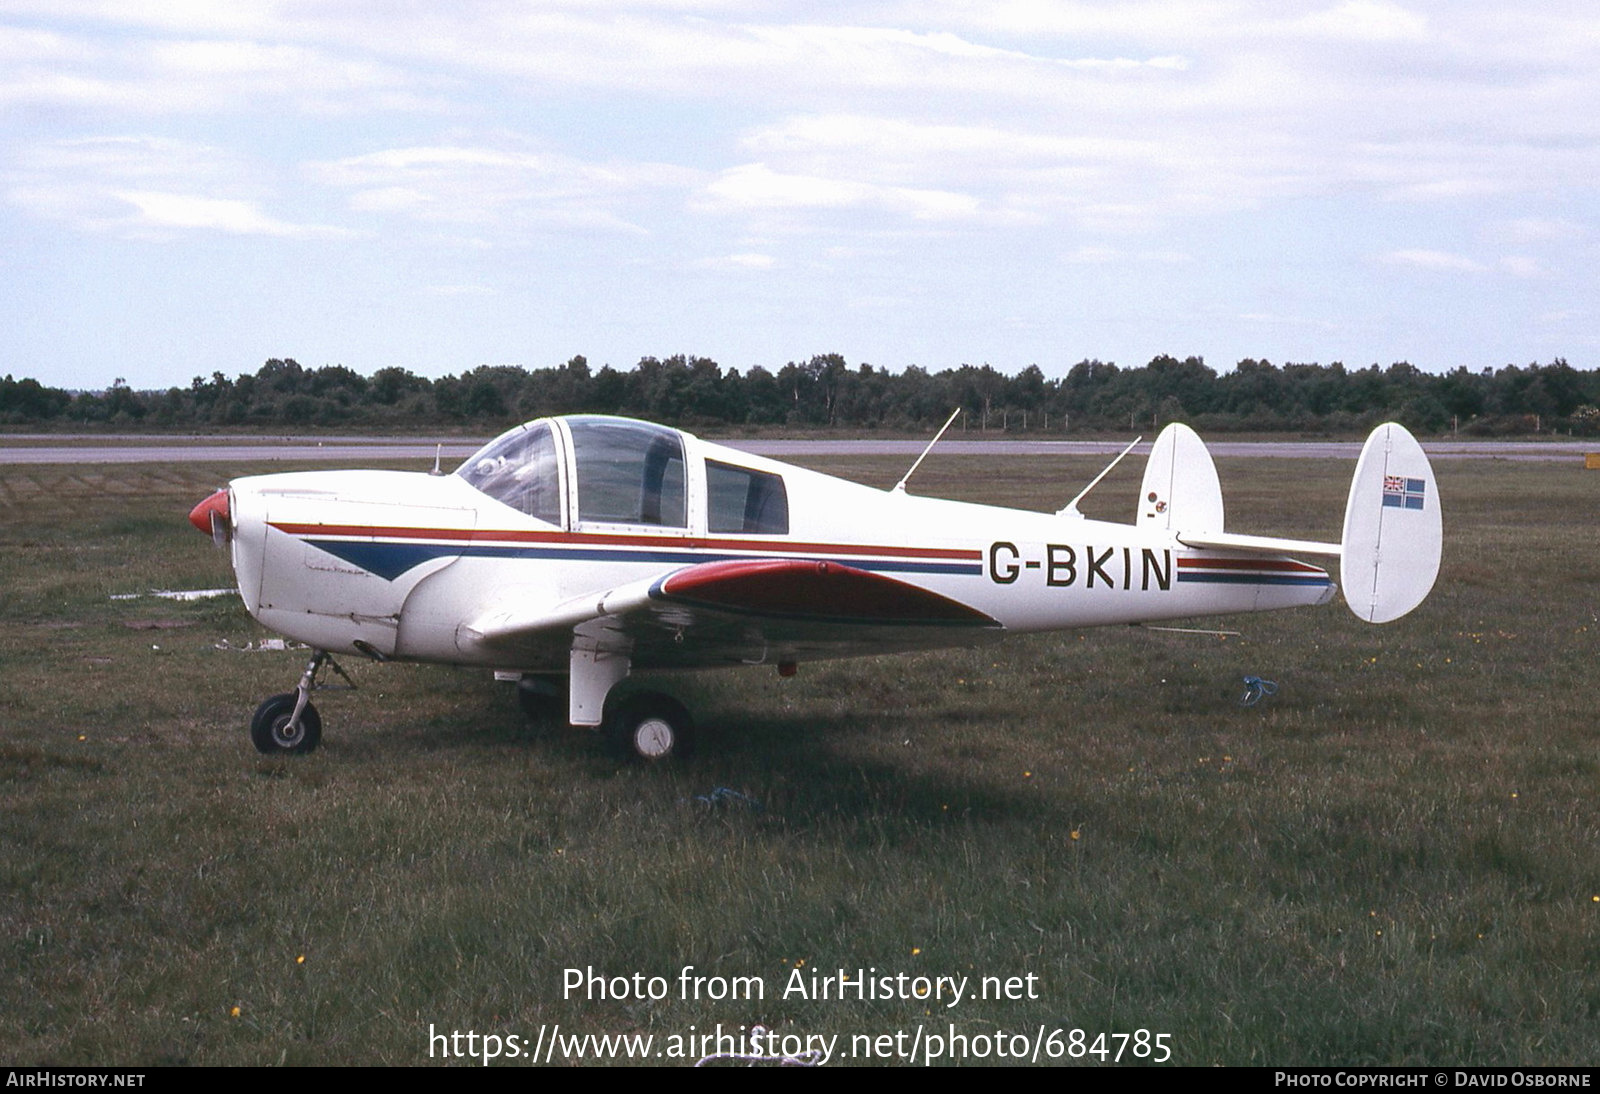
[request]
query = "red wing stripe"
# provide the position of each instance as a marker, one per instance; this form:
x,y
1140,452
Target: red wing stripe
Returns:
x,y
803,589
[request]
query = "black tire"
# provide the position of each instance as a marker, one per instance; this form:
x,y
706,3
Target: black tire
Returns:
x,y
651,727
543,699
271,721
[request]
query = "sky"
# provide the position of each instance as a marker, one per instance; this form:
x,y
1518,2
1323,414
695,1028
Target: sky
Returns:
x,y
192,187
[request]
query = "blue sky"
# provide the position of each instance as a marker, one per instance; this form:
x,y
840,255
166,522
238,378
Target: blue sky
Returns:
x,y
189,187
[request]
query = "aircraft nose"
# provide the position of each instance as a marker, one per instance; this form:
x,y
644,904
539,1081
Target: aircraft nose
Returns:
x,y
212,511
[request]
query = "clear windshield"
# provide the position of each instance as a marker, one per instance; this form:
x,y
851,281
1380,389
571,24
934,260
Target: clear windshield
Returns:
x,y
519,468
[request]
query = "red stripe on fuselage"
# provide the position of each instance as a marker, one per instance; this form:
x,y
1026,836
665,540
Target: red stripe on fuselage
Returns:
x,y
1279,565
469,535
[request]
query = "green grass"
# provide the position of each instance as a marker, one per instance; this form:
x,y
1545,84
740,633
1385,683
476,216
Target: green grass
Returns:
x,y
1392,860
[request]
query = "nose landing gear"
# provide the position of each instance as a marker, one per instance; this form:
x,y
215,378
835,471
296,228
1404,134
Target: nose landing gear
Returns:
x,y
284,725
287,724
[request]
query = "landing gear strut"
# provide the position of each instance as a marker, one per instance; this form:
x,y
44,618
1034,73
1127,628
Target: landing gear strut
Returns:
x,y
543,698
288,724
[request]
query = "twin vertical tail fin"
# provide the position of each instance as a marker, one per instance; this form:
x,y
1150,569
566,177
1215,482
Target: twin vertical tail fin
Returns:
x,y
1393,528
1393,533
1180,491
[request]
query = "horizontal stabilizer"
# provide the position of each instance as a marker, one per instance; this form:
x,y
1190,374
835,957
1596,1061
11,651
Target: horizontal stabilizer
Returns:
x,y
1393,528
1266,545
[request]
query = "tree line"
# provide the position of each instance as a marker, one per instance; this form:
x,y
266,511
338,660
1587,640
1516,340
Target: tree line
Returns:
x,y
826,392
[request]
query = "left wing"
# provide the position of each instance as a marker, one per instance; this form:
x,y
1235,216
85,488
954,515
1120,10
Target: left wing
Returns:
x,y
747,611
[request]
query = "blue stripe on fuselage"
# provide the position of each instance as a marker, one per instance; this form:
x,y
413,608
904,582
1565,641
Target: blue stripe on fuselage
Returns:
x,y
390,560
1255,579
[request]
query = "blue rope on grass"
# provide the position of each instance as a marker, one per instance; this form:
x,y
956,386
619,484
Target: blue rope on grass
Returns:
x,y
722,795
1256,689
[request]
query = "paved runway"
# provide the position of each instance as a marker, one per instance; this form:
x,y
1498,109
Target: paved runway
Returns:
x,y
354,451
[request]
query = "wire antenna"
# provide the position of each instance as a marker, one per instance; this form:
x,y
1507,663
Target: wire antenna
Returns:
x,y
1072,506
900,487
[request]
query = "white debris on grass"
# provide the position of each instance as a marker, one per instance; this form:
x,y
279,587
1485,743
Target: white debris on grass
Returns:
x,y
174,594
266,645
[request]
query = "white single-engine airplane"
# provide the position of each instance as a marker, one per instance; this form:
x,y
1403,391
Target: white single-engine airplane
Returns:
x,y
569,552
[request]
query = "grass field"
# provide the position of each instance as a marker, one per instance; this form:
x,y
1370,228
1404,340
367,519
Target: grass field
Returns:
x,y
1394,859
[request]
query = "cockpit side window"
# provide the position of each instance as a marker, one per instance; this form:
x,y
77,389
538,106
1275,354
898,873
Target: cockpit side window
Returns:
x,y
629,473
742,500
520,470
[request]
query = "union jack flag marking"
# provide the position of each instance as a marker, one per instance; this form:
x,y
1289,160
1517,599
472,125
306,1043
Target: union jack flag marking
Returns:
x,y
1400,492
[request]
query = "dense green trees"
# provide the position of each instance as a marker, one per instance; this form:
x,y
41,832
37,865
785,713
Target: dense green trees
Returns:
x,y
29,401
825,392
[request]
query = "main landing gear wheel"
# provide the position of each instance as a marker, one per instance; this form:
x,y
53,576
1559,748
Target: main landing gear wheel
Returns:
x,y
275,732
652,727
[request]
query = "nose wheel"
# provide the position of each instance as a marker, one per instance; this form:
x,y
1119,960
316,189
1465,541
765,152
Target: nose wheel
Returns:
x,y
287,724
278,729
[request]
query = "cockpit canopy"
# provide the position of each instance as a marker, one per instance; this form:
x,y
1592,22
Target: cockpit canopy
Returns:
x,y
624,472
628,472
520,469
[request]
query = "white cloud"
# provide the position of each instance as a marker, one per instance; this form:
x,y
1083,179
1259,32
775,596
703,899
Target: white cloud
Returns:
x,y
1365,20
147,187
130,157
1450,189
163,210
388,199
506,187
1272,319
1522,266
103,70
999,174
980,142
1526,230
173,16
742,261
1027,109
1159,19
757,186
22,46
918,146
1566,315
1438,261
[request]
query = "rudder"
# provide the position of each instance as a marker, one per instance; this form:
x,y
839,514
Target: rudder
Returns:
x,y
1180,491
1393,527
